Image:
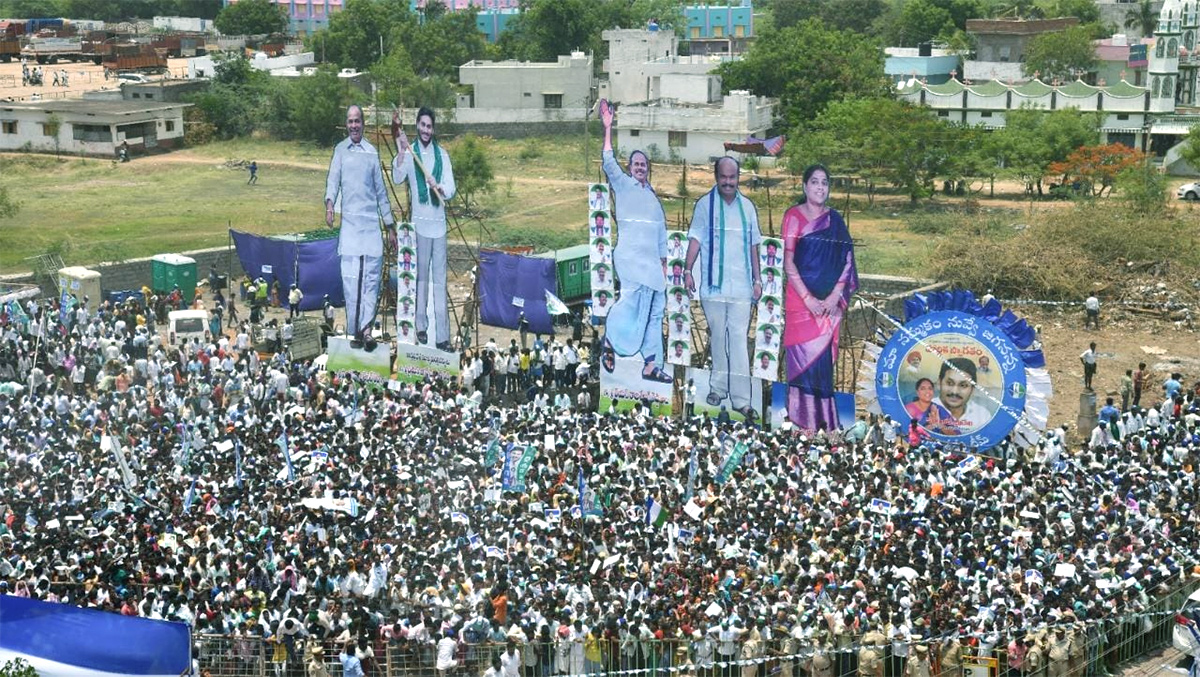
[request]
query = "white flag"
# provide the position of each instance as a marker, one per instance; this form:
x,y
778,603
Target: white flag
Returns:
x,y
554,305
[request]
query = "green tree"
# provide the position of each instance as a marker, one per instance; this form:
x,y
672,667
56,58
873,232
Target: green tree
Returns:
x,y
1142,18
311,108
252,17
30,8
1143,189
807,66
1062,55
1032,139
961,10
472,169
236,100
447,42
547,28
882,139
920,21
1087,11
846,15
355,34
1191,146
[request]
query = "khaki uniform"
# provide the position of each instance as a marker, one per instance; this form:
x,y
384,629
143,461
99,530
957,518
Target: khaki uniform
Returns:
x,y
951,653
1060,655
918,663
870,654
821,664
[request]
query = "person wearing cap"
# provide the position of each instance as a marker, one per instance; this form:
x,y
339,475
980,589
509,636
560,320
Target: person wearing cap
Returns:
x,y
724,238
315,665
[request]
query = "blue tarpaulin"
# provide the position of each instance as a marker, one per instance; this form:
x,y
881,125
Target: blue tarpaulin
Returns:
x,y
314,263
509,284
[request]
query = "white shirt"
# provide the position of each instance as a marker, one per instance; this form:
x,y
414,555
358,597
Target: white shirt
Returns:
x,y
429,219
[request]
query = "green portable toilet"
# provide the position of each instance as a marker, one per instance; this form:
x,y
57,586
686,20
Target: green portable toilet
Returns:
x,y
572,272
168,270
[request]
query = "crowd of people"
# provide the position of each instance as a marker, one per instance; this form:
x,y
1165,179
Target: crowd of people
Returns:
x,y
260,498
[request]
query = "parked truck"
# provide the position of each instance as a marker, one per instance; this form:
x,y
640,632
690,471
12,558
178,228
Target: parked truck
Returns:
x,y
52,50
10,48
134,57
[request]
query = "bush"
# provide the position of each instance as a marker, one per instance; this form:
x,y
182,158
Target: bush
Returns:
x,y
1062,253
531,150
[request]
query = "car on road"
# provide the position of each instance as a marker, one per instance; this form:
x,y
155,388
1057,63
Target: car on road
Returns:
x,y
1189,191
1187,626
134,78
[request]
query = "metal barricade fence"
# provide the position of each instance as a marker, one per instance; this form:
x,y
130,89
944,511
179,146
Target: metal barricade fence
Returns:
x,y
1086,649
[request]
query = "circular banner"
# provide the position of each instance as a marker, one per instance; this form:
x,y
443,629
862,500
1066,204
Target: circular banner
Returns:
x,y
959,376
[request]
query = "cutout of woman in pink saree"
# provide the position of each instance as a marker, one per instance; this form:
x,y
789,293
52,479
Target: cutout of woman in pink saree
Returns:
x,y
821,278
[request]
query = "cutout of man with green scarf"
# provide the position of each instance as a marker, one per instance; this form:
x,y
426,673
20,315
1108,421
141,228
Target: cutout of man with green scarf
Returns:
x,y
430,186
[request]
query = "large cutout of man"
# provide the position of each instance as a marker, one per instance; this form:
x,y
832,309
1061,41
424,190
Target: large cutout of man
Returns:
x,y
428,192
355,186
724,237
634,324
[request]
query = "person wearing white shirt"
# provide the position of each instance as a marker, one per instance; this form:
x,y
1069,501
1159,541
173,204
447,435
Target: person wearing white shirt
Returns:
x,y
355,183
429,216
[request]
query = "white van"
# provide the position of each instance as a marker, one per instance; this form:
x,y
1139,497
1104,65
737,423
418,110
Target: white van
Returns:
x,y
186,326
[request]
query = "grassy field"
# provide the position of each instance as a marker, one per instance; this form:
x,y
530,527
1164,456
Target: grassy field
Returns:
x,y
94,210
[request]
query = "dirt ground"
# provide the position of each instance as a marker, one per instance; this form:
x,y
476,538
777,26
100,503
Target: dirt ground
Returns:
x,y
81,77
1123,340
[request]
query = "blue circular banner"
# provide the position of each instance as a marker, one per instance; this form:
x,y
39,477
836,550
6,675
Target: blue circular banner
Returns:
x,y
959,376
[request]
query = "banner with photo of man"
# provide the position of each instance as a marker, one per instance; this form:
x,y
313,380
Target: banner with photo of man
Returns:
x,y
957,375
406,284
602,239
679,302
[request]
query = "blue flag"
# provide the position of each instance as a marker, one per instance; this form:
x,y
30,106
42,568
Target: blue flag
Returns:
x,y
190,497
282,442
237,462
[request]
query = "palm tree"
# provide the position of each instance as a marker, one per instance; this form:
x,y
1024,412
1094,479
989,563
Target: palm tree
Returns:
x,y
1143,18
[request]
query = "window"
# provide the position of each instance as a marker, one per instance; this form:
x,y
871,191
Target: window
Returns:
x,y
149,95
137,130
718,31
46,131
100,133
10,127
695,34
528,94
635,132
1122,116
573,268
986,114
677,139
1005,53
137,95
943,114
170,125
552,100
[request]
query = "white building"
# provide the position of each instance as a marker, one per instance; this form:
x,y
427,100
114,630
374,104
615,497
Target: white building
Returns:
x,y
641,60
90,127
694,132
1154,118
522,91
